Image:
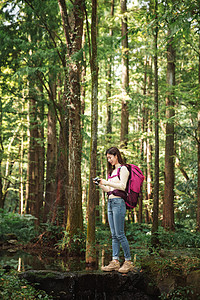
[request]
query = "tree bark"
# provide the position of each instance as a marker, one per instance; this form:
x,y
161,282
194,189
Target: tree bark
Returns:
x,y
149,120
21,189
83,81
168,204
35,158
109,79
154,239
50,194
125,76
73,30
41,153
93,193
60,210
198,153
198,187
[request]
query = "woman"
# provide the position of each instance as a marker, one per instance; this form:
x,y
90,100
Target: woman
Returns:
x,y
115,187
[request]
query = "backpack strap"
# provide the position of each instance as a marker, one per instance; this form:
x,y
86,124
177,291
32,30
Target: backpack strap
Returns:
x,y
118,173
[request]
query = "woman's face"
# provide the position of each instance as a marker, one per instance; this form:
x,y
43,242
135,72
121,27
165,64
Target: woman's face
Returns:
x,y
112,159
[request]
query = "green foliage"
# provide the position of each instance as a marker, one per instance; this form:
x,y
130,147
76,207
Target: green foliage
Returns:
x,y
73,244
12,287
173,262
180,238
103,238
139,237
54,230
180,293
21,226
28,54
138,233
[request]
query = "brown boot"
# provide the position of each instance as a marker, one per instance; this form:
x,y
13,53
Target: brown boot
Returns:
x,y
127,266
113,266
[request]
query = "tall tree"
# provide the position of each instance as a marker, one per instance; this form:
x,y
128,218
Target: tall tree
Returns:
x,y
50,194
109,79
60,210
168,204
72,22
125,74
198,147
41,151
92,198
35,159
154,239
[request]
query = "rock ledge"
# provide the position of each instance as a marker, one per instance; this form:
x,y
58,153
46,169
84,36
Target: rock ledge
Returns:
x,y
93,285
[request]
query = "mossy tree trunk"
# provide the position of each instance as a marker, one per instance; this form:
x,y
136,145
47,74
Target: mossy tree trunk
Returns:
x,y
92,199
72,22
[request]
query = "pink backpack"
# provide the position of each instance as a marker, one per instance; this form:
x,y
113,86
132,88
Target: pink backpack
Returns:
x,y
134,185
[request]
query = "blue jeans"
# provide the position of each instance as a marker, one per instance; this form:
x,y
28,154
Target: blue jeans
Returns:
x,y
116,218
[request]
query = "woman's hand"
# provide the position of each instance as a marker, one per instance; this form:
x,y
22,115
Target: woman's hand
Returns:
x,y
102,185
102,181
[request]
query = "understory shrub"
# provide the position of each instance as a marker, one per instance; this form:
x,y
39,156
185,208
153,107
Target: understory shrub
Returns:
x,y
12,287
180,238
22,226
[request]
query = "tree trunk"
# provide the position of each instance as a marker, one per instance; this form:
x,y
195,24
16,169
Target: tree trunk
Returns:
x,y
154,240
93,193
73,30
125,76
21,189
50,194
143,145
198,154
75,218
198,187
41,154
35,175
109,85
31,176
60,209
83,81
168,204
33,170
149,125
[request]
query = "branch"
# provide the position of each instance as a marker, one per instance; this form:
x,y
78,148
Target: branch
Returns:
x,y
88,34
193,136
64,16
192,46
181,168
49,31
49,91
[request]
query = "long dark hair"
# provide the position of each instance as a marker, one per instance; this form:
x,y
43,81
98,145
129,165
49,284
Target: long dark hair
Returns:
x,y
114,151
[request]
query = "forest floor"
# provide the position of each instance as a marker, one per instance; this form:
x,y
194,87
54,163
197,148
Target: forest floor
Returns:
x,y
175,266
175,271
